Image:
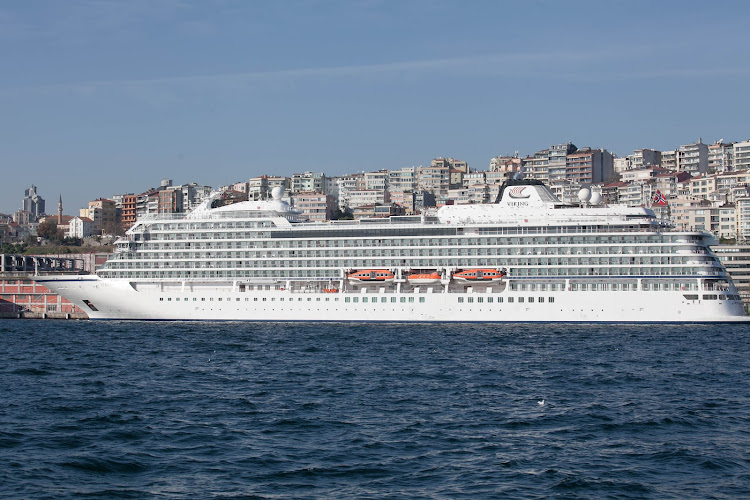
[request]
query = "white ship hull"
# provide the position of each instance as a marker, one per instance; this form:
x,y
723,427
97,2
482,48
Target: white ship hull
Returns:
x,y
120,299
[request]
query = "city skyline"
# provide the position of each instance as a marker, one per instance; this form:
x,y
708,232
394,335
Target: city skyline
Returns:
x,y
105,98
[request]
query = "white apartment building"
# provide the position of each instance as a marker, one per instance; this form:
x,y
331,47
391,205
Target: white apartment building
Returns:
x,y
80,227
368,197
377,180
720,157
693,158
308,181
742,155
537,166
645,158
403,179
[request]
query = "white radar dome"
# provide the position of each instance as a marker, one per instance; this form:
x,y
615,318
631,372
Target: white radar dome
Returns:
x,y
596,198
584,194
277,192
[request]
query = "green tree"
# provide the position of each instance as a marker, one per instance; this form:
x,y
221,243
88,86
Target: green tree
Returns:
x,y
47,230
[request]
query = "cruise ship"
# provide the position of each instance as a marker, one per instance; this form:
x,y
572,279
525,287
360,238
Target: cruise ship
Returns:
x,y
525,258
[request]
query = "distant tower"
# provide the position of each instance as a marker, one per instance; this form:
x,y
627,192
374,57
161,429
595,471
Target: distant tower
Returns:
x,y
59,211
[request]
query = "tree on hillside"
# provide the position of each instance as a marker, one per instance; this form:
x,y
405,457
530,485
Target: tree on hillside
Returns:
x,y
47,230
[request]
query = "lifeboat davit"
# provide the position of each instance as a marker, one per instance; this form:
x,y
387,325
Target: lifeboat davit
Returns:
x,y
424,278
372,276
479,275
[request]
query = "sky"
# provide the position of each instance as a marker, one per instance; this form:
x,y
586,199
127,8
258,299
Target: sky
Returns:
x,y
100,97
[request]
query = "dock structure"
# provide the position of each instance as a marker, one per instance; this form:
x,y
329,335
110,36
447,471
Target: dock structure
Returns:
x,y
13,263
21,297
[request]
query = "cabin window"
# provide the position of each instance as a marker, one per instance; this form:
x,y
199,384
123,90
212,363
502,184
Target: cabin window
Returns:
x,y
411,299
421,299
460,300
403,299
470,300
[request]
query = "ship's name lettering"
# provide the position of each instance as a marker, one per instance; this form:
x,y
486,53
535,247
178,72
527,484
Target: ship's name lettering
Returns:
x,y
518,203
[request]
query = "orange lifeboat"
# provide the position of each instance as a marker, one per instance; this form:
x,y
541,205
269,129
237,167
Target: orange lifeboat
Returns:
x,y
372,275
424,278
479,275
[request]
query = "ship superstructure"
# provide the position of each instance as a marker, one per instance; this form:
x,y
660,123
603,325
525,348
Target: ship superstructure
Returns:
x,y
526,258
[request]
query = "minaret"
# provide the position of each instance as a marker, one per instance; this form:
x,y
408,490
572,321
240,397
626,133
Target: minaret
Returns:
x,y
59,211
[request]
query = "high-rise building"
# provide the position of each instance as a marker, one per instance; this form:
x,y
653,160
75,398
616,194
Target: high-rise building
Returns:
x,y
33,203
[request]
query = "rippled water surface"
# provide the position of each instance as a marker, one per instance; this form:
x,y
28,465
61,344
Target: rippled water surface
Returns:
x,y
162,410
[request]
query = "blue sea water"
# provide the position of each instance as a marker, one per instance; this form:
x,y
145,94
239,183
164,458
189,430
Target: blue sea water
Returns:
x,y
303,410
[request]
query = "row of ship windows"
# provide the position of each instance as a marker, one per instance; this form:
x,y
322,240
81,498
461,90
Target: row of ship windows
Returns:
x,y
369,262
308,299
365,300
252,238
712,296
317,273
541,253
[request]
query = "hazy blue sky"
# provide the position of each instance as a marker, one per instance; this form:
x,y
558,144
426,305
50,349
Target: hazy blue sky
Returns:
x,y
99,97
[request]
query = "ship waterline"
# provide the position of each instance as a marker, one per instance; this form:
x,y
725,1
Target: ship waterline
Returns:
x,y
253,261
